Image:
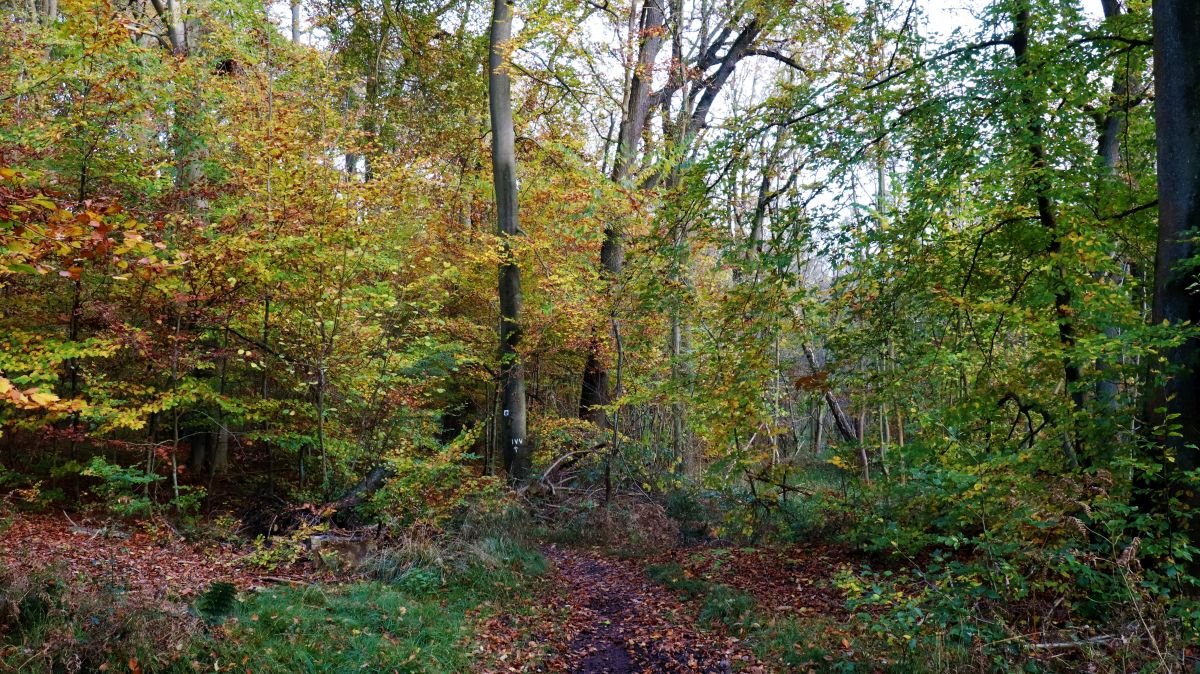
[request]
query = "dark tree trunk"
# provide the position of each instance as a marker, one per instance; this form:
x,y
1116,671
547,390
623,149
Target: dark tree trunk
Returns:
x,y
513,438
1110,127
1177,115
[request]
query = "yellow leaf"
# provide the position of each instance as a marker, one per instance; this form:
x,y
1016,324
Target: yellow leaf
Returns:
x,y
43,397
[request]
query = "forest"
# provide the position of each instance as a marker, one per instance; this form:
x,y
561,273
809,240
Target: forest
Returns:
x,y
590,336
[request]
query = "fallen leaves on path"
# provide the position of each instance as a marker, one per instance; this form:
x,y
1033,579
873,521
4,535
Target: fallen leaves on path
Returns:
x,y
604,616
795,580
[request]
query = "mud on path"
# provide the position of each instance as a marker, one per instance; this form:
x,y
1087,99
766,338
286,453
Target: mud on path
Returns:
x,y
625,623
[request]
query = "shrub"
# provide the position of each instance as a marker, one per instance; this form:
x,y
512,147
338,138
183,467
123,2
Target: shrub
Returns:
x,y
218,602
121,489
420,581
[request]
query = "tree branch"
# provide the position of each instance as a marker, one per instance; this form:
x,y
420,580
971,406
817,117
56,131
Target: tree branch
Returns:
x,y
771,53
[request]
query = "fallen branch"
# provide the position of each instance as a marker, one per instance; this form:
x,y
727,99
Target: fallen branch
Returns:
x,y
371,483
1077,643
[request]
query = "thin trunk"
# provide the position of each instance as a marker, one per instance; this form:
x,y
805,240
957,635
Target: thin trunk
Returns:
x,y
321,428
883,438
1048,216
818,427
220,456
513,436
175,408
842,422
266,340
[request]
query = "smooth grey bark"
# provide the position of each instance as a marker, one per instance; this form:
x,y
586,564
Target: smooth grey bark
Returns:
x,y
514,441
594,393
171,15
220,456
1177,118
296,21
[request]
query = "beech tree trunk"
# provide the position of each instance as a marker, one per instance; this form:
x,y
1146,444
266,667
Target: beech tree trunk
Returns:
x,y
1108,147
1177,117
594,393
513,438
296,21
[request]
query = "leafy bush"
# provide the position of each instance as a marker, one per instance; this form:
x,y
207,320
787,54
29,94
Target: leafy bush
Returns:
x,y
420,581
121,489
272,553
435,490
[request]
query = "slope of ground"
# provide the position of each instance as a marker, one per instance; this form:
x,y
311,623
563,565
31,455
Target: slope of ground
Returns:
x,y
139,562
589,613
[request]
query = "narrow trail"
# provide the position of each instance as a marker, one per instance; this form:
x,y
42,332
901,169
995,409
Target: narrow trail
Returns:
x,y
627,624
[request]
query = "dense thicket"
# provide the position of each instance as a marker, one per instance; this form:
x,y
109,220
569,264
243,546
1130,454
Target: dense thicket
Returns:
x,y
829,268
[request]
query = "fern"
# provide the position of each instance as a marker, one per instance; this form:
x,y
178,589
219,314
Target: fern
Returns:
x,y
217,602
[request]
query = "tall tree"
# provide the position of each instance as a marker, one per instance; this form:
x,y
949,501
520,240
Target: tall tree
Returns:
x,y
295,7
595,393
1177,88
513,437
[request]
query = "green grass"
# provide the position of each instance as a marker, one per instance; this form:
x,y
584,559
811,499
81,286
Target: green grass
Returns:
x,y
419,615
361,627
421,621
674,577
727,606
719,603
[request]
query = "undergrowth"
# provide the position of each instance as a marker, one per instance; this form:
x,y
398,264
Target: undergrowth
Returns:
x,y
413,609
977,570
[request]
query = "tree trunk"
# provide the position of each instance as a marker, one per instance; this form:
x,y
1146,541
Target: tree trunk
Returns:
x,y
1177,88
594,393
199,456
220,457
1048,217
513,438
176,34
296,21
1108,146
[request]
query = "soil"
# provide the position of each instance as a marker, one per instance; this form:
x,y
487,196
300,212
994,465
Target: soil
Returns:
x,y
628,624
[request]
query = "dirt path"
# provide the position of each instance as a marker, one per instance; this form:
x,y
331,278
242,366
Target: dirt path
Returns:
x,y
628,624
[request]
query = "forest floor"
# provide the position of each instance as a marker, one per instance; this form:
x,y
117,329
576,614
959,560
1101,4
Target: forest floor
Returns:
x,y
701,609
147,563
706,610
